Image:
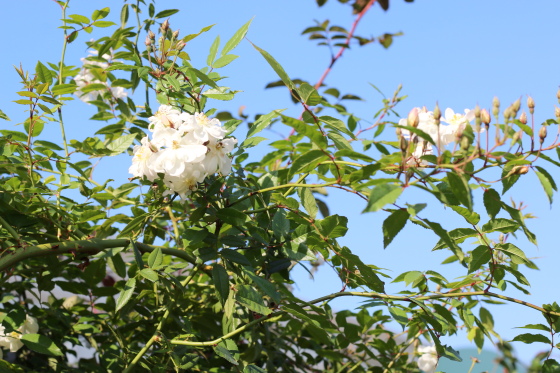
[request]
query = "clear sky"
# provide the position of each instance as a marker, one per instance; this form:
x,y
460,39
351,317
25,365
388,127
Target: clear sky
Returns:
x,y
458,53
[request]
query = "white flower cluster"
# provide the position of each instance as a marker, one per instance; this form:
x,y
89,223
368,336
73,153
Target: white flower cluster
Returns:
x,y
86,77
184,148
428,361
12,341
442,134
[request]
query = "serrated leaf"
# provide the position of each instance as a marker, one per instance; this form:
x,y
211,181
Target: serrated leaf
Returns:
x,y
308,161
213,51
536,327
149,274
337,125
516,254
155,258
492,202
41,344
221,282
383,195
126,293
393,225
121,144
280,225
236,39
266,286
446,238
166,13
276,67
263,122
43,73
308,201
551,366
530,338
248,297
235,257
460,188
479,257
470,216
224,61
500,225
309,94
547,182
224,352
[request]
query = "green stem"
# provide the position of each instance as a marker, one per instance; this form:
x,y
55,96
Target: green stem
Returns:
x,y
60,79
89,247
10,230
155,337
291,185
175,227
367,295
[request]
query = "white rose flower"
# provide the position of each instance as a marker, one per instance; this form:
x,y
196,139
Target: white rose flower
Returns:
x,y
217,159
428,360
85,77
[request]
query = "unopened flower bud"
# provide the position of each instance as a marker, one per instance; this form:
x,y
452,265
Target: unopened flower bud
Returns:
x,y
164,26
516,136
496,107
477,119
398,132
523,118
403,144
175,34
485,116
180,45
516,105
558,95
465,143
437,112
151,35
557,114
413,119
148,41
542,134
519,170
531,104
153,148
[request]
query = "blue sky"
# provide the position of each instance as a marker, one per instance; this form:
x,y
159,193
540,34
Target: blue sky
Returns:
x,y
457,53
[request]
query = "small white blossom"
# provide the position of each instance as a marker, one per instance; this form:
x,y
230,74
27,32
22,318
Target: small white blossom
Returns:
x,y
428,361
86,77
12,341
183,151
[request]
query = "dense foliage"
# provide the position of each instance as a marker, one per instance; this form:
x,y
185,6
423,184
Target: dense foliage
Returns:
x,y
186,267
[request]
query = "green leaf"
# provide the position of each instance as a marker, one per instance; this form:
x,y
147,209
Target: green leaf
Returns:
x,y
221,282
280,225
470,216
41,344
309,94
103,24
203,77
311,131
232,216
336,125
460,188
166,13
308,161
550,366
224,352
263,122
61,89
266,286
530,338
276,67
3,115
393,225
479,257
253,369
236,39
500,225
224,61
248,297
516,254
444,235
235,257
121,144
149,274
418,133
155,258
492,202
308,201
213,51
43,73
100,14
536,327
134,226
126,293
547,182
383,195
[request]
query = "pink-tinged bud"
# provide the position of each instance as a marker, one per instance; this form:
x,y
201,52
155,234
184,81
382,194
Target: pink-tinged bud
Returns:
x,y
180,45
523,118
485,116
148,41
151,35
542,134
531,104
175,34
165,26
413,119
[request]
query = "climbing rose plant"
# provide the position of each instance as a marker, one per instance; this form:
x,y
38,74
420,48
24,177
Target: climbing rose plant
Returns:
x,y
187,265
